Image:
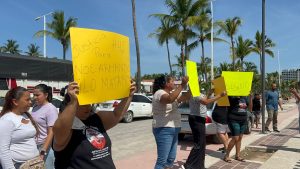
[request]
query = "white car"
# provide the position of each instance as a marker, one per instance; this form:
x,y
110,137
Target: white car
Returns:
x,y
140,106
211,128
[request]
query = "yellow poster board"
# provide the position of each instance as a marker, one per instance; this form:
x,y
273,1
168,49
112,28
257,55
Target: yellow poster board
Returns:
x,y
101,65
193,77
238,83
220,87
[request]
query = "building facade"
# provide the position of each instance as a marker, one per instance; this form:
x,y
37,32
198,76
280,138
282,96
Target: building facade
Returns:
x,y
290,74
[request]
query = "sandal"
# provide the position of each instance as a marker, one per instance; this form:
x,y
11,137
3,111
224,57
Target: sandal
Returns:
x,y
227,160
240,159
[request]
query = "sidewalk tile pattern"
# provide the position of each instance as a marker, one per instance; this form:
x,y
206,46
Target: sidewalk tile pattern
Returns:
x,y
272,140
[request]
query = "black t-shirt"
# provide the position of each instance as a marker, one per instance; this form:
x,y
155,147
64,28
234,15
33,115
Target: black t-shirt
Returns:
x,y
256,104
88,149
219,114
235,111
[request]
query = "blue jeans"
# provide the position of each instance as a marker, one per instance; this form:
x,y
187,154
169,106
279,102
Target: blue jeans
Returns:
x,y
166,140
49,158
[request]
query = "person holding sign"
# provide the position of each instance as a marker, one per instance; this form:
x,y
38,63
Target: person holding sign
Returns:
x,y
80,137
166,120
197,120
295,92
237,123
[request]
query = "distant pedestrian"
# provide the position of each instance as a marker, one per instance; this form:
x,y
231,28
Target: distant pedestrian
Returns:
x,y
45,114
272,102
237,123
296,93
166,120
197,119
256,108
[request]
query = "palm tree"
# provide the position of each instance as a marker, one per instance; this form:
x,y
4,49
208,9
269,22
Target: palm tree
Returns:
x,y
137,47
11,47
243,49
230,28
223,67
33,50
59,29
163,33
250,67
182,12
203,25
257,47
179,65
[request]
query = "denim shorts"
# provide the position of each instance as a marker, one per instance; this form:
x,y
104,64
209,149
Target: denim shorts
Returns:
x,y
237,128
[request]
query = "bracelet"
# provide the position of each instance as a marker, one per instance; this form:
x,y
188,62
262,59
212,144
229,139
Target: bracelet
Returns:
x,y
43,152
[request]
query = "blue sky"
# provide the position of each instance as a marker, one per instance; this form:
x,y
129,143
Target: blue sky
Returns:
x,y
282,26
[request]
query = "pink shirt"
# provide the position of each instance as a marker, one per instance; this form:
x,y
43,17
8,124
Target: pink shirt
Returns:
x,y
45,116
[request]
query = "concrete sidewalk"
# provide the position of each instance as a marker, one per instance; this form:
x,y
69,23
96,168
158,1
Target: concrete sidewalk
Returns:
x,y
146,158
287,156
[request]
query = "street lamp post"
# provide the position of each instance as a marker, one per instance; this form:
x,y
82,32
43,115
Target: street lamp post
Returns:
x,y
212,41
37,18
263,68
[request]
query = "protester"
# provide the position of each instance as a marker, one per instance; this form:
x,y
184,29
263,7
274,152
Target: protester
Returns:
x,y
18,131
295,92
237,123
80,137
45,115
272,102
166,120
256,108
197,118
219,115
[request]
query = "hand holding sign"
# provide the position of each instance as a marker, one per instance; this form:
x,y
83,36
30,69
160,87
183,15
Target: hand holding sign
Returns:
x,y
101,65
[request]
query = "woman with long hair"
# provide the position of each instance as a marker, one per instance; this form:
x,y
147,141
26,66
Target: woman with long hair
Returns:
x,y
45,115
18,130
166,120
80,137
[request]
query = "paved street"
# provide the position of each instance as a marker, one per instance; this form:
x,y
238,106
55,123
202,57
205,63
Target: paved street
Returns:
x,y
134,146
131,138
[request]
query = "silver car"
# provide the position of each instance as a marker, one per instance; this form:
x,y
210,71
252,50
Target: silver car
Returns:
x,y
211,128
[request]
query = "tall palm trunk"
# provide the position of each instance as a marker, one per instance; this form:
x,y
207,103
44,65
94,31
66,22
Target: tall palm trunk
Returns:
x,y
203,60
182,60
232,50
169,59
64,45
138,80
185,44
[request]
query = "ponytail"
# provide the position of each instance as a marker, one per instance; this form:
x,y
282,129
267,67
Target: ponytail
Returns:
x,y
46,90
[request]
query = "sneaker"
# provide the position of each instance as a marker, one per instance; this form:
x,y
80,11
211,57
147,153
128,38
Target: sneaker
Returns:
x,y
277,131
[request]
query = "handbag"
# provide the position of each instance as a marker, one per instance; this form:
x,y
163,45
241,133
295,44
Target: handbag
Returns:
x,y
35,163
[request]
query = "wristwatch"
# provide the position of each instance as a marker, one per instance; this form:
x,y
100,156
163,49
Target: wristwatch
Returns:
x,y
43,152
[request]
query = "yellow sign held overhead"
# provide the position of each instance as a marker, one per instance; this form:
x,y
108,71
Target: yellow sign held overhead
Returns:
x,y
238,83
101,65
193,77
219,85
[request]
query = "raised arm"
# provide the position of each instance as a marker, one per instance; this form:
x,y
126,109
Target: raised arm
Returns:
x,y
6,129
170,98
207,101
110,119
63,126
